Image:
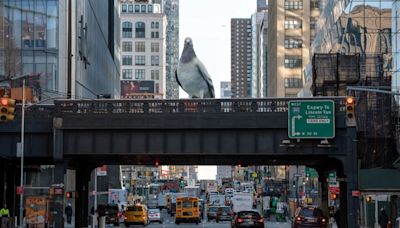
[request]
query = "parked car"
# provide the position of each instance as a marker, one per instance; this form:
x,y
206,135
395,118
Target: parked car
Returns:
x,y
212,213
397,223
110,211
155,215
247,219
309,216
224,214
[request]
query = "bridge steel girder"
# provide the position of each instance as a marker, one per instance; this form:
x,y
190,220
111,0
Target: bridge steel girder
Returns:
x,y
218,132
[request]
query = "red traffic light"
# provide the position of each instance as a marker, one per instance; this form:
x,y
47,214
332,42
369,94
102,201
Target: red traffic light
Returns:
x,y
68,194
156,163
350,100
4,101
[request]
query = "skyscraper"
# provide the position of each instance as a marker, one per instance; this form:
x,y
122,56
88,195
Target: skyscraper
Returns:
x,y
171,10
291,28
241,61
60,59
143,50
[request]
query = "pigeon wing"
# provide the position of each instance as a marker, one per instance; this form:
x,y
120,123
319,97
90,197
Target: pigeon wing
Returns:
x,y
203,72
176,77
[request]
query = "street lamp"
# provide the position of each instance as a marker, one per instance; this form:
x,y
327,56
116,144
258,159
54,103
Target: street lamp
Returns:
x,y
21,199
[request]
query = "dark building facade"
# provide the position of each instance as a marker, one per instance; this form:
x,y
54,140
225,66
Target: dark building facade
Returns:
x,y
241,57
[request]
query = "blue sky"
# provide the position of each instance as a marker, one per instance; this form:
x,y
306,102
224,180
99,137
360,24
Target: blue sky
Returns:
x,y
207,22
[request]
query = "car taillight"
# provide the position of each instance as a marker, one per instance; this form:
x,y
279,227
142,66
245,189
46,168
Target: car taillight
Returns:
x,y
126,217
240,220
298,218
323,220
260,220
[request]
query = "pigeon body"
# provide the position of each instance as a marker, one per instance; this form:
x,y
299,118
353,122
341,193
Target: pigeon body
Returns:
x,y
192,75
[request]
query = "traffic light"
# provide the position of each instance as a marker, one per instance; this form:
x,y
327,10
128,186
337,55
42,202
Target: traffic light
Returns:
x,y
350,112
156,163
7,109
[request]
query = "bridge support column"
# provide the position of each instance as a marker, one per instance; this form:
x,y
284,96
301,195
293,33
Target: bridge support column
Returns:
x,y
323,184
58,210
82,202
350,167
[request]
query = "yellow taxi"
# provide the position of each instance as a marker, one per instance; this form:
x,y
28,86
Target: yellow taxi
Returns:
x,y
136,214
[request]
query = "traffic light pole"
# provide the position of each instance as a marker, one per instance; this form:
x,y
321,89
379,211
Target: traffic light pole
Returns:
x,y
21,199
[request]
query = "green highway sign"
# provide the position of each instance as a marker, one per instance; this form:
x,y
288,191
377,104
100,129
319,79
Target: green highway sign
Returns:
x,y
311,119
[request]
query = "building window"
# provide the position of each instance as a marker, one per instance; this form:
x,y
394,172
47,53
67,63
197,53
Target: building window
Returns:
x,y
157,87
137,8
139,74
157,24
126,46
140,60
293,4
155,47
127,29
314,4
127,60
140,46
155,60
140,30
152,24
293,61
127,74
143,8
155,35
313,23
150,9
294,82
293,42
123,8
130,8
155,75
291,23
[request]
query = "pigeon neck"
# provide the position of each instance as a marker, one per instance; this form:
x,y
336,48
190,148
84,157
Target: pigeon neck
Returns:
x,y
187,55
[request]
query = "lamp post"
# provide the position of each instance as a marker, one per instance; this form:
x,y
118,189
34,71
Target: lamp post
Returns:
x,y
21,199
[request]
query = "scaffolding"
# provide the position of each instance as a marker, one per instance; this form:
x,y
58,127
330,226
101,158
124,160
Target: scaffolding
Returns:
x,y
333,73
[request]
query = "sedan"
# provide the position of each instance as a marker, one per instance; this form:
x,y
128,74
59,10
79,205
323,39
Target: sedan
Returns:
x,y
155,215
247,219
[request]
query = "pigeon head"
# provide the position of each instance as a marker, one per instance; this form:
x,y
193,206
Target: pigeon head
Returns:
x,y
188,52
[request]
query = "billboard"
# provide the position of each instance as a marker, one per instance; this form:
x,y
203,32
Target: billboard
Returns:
x,y
134,88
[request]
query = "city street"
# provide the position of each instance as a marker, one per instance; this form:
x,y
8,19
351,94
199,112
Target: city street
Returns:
x,y
170,222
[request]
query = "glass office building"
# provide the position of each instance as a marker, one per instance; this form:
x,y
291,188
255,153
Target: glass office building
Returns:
x,y
396,47
29,42
34,41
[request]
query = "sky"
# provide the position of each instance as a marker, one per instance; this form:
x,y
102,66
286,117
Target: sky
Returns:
x,y
207,22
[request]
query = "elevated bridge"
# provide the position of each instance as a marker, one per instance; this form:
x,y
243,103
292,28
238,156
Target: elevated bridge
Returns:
x,y
84,134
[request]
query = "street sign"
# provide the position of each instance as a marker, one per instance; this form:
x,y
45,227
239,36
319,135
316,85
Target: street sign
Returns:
x,y
311,119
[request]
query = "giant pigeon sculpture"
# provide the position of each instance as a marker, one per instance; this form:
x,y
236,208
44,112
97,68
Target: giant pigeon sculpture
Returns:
x,y
192,75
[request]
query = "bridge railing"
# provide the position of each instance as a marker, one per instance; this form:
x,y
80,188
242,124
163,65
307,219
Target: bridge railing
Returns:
x,y
106,106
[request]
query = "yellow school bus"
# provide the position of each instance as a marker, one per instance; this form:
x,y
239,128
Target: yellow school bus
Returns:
x,y
187,210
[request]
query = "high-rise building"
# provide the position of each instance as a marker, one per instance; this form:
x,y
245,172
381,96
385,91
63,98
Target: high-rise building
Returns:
x,y
61,60
241,60
171,9
143,66
226,90
291,28
396,50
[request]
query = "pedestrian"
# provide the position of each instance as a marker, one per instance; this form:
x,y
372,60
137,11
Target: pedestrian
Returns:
x,y
4,212
336,216
68,212
383,218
